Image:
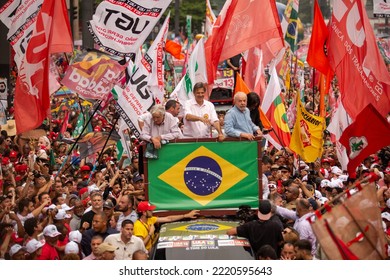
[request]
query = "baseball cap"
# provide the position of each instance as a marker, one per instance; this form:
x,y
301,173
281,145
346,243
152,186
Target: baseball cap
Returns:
x,y
61,215
284,167
75,236
145,206
14,249
275,166
51,231
108,204
137,178
34,245
105,247
323,200
325,183
13,154
386,216
85,168
66,207
264,212
71,248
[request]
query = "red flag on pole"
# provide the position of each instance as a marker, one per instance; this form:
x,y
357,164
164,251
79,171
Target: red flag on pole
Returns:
x,y
369,133
316,55
354,56
233,35
32,95
214,44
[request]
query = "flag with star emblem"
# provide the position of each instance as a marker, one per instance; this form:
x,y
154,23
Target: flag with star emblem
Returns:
x,y
204,175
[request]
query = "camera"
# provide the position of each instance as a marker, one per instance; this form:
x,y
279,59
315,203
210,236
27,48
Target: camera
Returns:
x,y
36,174
246,214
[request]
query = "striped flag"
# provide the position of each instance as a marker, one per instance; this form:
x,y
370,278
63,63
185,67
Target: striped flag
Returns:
x,y
275,111
291,14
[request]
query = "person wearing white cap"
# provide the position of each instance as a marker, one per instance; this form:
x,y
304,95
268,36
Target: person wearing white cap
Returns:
x,y
72,248
49,251
17,252
34,248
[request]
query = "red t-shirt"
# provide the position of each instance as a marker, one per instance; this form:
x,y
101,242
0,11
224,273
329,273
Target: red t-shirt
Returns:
x,y
48,253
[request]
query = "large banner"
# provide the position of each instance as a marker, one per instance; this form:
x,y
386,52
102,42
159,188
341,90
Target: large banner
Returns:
x,y
121,26
307,137
352,229
204,175
92,75
354,56
381,8
20,18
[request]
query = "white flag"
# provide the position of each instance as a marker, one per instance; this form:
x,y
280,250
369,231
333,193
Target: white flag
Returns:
x,y
210,19
196,72
146,84
340,121
121,26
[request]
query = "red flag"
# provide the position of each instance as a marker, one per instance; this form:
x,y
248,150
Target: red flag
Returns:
x,y
369,133
316,55
254,71
248,30
233,35
354,56
174,49
51,34
214,44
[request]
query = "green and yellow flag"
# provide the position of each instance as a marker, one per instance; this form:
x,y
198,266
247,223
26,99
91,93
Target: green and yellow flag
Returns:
x,y
204,175
307,139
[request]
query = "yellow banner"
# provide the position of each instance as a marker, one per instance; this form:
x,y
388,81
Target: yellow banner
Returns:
x,y
307,137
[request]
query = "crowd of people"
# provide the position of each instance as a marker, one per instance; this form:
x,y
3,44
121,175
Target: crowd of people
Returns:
x,y
56,206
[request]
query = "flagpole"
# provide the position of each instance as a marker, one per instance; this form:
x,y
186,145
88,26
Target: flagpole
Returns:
x,y
362,231
85,126
277,136
109,135
314,80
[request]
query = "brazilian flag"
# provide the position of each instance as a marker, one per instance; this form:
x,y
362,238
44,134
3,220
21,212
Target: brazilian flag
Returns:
x,y
204,175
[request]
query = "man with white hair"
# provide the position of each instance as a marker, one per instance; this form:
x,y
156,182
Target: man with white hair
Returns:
x,y
159,126
238,122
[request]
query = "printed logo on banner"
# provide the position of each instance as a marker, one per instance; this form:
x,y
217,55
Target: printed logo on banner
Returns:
x,y
20,18
120,27
3,89
92,75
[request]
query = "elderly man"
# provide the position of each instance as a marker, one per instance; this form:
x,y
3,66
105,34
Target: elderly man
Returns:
x,y
200,115
238,122
158,126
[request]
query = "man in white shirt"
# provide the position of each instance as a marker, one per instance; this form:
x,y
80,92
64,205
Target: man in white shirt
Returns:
x,y
125,242
200,115
159,126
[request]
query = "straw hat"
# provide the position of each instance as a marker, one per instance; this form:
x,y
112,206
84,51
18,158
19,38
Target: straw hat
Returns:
x,y
10,127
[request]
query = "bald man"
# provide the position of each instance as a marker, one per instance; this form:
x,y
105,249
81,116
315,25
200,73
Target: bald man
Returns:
x,y
238,122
